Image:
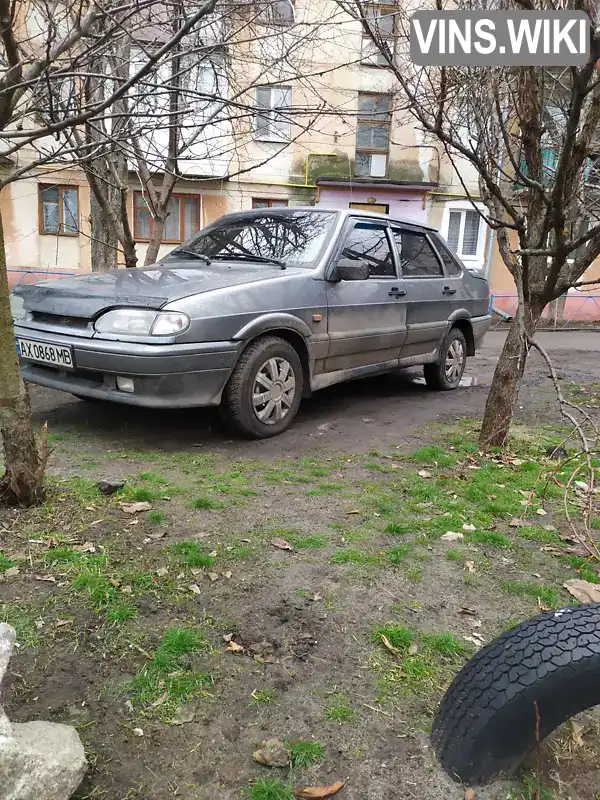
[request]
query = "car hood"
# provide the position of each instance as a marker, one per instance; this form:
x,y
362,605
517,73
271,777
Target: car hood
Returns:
x,y
149,287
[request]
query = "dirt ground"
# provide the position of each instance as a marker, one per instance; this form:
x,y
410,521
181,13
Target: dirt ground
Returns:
x,y
177,638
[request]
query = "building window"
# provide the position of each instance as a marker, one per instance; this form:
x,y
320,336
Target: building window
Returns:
x,y
464,231
59,210
273,105
259,202
372,135
276,12
182,223
382,21
378,208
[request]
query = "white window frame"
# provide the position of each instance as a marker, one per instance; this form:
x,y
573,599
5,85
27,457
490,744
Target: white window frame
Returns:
x,y
472,261
278,114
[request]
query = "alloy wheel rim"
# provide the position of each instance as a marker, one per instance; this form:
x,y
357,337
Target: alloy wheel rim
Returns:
x,y
454,361
274,390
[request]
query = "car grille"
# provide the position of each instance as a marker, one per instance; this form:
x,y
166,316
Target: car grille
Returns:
x,y
61,321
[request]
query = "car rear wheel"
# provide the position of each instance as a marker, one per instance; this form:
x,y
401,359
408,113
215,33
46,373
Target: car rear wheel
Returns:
x,y
447,371
263,394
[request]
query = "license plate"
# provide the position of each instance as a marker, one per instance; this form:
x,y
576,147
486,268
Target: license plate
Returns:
x,y
56,355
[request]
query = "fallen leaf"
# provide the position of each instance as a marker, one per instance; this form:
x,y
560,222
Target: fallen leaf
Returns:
x,y
576,731
424,474
95,522
516,522
157,535
413,649
319,792
541,512
212,577
354,511
234,647
451,536
183,715
162,699
162,571
469,528
126,589
45,578
469,794
134,522
11,571
135,508
245,540
193,587
583,590
525,493
213,554
138,731
582,485
86,547
60,623
549,528
389,646
227,637
475,641
281,544
470,566
467,611
575,551
228,574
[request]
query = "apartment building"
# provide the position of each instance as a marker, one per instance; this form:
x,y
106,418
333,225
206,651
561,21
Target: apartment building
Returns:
x,y
327,127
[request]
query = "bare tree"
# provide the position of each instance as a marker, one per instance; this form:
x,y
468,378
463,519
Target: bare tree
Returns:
x,y
532,136
44,46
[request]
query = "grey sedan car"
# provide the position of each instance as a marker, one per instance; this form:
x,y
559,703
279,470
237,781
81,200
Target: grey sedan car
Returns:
x,y
258,310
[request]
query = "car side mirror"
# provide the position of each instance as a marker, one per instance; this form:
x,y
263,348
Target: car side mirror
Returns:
x,y
349,269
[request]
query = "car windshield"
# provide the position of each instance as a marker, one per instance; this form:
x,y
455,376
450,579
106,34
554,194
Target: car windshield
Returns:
x,y
292,239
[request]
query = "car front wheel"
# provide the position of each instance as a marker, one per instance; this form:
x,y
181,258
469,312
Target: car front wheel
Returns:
x,y
263,394
447,371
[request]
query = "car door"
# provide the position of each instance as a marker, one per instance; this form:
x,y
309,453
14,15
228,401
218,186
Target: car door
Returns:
x,y
366,318
426,291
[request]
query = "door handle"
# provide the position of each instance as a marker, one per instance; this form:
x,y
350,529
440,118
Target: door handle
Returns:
x,y
448,290
395,292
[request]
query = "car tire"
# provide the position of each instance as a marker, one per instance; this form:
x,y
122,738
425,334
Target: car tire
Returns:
x,y
516,691
256,414
446,373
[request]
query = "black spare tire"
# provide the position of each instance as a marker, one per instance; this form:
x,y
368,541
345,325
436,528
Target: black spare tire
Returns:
x,y
516,691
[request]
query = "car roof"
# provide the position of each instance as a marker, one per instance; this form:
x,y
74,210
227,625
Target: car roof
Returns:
x,y
344,212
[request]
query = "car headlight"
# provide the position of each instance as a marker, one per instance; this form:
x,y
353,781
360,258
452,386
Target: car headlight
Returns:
x,y
139,322
17,307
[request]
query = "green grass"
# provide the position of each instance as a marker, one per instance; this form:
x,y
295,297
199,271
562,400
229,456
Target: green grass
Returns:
x,y
153,477
491,538
83,490
538,534
399,528
310,542
120,611
63,555
398,554
206,503
414,573
305,752
5,562
156,517
167,676
546,594
456,555
93,581
433,454
531,789
191,554
338,709
268,789
351,556
422,664
262,697
22,620
398,636
584,567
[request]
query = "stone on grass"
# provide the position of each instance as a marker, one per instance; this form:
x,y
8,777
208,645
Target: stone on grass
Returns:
x,y
38,760
272,753
110,487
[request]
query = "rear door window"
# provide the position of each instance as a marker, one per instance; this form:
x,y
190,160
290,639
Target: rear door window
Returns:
x,y
417,257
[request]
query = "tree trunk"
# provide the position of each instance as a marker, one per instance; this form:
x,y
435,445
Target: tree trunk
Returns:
x,y
104,240
155,240
22,482
504,392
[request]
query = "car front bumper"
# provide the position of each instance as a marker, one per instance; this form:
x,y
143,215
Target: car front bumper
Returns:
x,y
164,375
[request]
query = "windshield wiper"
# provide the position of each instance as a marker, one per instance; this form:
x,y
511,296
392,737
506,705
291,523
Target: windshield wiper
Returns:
x,y
201,256
252,257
